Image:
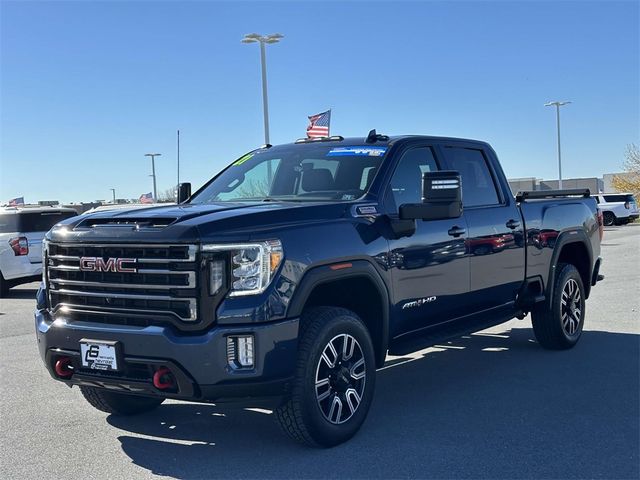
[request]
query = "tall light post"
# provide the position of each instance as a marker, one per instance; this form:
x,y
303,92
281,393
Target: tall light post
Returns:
x,y
558,104
263,40
113,190
153,172
178,179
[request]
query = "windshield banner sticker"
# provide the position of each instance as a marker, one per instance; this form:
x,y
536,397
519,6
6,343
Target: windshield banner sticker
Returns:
x,y
357,151
243,159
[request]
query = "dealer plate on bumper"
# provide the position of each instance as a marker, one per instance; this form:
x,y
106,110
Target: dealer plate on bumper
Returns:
x,y
99,354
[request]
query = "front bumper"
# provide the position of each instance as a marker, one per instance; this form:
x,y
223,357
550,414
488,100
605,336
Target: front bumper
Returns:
x,y
199,362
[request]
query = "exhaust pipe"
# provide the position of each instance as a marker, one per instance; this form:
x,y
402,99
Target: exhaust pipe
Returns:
x,y
163,379
63,367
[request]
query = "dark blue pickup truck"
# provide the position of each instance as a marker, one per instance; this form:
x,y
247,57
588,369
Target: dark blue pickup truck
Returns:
x,y
293,272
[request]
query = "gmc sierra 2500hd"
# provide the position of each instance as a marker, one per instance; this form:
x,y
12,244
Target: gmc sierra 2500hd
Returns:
x,y
295,270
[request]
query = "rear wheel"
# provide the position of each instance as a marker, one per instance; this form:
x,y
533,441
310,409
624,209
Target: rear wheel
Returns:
x,y
558,325
119,403
608,218
334,379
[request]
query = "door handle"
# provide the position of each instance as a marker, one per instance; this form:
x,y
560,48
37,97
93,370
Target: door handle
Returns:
x,y
513,224
456,231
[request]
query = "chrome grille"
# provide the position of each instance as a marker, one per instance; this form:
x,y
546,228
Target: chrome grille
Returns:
x,y
164,283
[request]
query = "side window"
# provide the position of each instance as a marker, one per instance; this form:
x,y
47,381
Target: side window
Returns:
x,y
478,187
406,183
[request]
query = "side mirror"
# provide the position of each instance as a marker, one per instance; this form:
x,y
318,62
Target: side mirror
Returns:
x,y
184,192
441,198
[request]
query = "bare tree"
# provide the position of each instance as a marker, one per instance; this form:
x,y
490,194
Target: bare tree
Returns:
x,y
167,196
630,181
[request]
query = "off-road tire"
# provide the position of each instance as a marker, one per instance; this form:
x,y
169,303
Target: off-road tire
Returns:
x,y
608,219
547,317
300,415
119,403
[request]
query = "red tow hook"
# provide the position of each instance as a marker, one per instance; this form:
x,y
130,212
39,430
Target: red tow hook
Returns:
x,y
163,379
63,367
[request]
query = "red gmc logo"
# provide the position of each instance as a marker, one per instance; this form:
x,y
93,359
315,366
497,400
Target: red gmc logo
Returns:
x,y
98,264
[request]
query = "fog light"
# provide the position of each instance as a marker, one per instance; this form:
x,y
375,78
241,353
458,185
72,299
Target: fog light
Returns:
x,y
240,351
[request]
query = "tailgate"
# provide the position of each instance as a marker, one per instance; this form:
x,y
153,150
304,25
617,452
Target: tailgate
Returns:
x,y
35,246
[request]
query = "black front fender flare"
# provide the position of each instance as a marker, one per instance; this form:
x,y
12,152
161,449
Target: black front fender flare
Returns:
x,y
323,274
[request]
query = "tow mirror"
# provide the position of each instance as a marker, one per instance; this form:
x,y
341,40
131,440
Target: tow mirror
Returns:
x,y
184,192
441,198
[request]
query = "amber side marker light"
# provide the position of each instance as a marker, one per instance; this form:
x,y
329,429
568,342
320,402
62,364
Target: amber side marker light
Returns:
x,y
340,266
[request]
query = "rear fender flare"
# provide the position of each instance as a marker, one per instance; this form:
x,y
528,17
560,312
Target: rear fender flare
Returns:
x,y
567,238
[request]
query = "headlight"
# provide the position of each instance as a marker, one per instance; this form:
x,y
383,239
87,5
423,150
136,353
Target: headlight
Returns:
x,y
252,266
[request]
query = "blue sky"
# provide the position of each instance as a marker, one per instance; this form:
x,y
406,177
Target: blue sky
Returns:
x,y
89,87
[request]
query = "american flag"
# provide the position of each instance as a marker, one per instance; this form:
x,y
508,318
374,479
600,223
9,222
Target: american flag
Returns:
x,y
146,198
319,125
14,202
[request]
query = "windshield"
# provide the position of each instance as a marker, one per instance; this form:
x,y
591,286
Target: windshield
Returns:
x,y
302,172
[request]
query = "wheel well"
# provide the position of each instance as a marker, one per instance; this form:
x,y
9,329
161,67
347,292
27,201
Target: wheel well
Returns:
x,y
361,296
576,253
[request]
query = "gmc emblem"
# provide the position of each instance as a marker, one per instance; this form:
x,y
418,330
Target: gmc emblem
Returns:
x,y
98,264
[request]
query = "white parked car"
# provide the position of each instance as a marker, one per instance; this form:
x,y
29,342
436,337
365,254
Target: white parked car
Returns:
x,y
617,208
21,232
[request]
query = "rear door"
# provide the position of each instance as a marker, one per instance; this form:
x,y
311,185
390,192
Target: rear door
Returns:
x,y
495,244
34,225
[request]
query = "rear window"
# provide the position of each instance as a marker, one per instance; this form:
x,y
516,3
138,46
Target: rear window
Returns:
x,y
31,222
619,198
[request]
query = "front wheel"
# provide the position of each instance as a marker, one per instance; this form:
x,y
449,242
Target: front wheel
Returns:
x,y
119,403
558,325
334,379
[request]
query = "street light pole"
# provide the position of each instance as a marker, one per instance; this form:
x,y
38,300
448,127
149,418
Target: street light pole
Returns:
x,y
178,182
263,40
265,101
558,104
153,172
113,190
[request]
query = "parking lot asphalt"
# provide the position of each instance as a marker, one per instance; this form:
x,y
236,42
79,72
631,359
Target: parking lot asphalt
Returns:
x,y
488,405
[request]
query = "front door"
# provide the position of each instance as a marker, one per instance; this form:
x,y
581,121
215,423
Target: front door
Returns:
x,y
430,270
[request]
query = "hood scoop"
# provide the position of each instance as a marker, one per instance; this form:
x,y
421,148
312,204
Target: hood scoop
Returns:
x,y
133,223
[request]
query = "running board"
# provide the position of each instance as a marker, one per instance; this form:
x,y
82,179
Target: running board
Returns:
x,y
437,334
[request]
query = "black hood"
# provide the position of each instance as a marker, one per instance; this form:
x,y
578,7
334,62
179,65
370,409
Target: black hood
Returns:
x,y
193,223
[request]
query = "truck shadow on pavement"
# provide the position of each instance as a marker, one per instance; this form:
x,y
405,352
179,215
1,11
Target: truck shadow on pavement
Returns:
x,y
483,406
